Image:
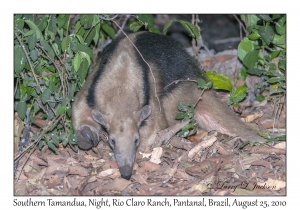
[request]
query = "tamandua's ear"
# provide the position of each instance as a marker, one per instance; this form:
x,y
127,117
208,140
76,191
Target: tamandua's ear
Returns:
x,y
143,114
100,118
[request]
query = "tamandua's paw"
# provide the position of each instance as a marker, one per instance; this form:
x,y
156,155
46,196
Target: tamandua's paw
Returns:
x,y
87,137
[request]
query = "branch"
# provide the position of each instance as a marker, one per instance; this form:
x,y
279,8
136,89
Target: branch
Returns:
x,y
28,59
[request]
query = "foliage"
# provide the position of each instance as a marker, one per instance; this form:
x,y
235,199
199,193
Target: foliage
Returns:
x,y
148,22
52,56
222,82
186,113
263,52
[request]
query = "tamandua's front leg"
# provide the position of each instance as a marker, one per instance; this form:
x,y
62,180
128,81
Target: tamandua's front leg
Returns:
x,y
86,128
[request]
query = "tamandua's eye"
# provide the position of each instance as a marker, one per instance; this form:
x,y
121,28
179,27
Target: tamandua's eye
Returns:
x,y
137,142
112,143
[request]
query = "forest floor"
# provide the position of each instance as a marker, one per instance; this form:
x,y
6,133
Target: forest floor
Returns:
x,y
208,163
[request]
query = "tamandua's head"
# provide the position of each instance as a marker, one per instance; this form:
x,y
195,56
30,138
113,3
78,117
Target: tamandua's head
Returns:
x,y
124,136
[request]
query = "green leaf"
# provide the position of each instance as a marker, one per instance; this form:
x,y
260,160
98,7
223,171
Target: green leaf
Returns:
x,y
135,25
203,84
260,98
42,143
109,30
73,46
254,36
183,134
86,21
167,26
278,138
265,17
188,126
45,45
251,19
273,55
19,59
79,29
19,23
65,43
45,96
146,19
281,26
33,55
72,139
239,93
21,109
42,22
272,67
282,65
79,57
53,24
220,81
52,146
60,110
264,135
32,41
274,80
244,48
29,33
242,74
34,28
65,142
90,36
86,49
182,107
256,72
180,115
266,33
251,59
280,41
54,139
61,20
192,29
83,70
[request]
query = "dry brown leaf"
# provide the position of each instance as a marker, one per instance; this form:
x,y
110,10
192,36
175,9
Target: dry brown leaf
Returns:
x,y
107,172
156,154
201,187
139,178
207,142
119,184
281,145
19,126
148,166
113,164
253,117
145,155
90,157
268,150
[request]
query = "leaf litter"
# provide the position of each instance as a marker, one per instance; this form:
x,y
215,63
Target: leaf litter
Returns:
x,y
204,164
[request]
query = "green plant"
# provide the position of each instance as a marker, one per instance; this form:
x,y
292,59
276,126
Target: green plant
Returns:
x,y
52,56
263,53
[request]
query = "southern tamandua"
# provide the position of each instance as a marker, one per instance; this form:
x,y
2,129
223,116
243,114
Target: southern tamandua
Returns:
x,y
121,97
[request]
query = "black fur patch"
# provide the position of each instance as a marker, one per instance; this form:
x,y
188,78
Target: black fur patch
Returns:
x,y
107,53
169,56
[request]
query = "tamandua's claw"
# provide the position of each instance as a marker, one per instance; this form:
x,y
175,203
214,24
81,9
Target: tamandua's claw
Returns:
x,y
87,138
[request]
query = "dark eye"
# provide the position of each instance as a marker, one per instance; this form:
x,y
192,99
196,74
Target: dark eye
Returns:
x,y
137,142
112,143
